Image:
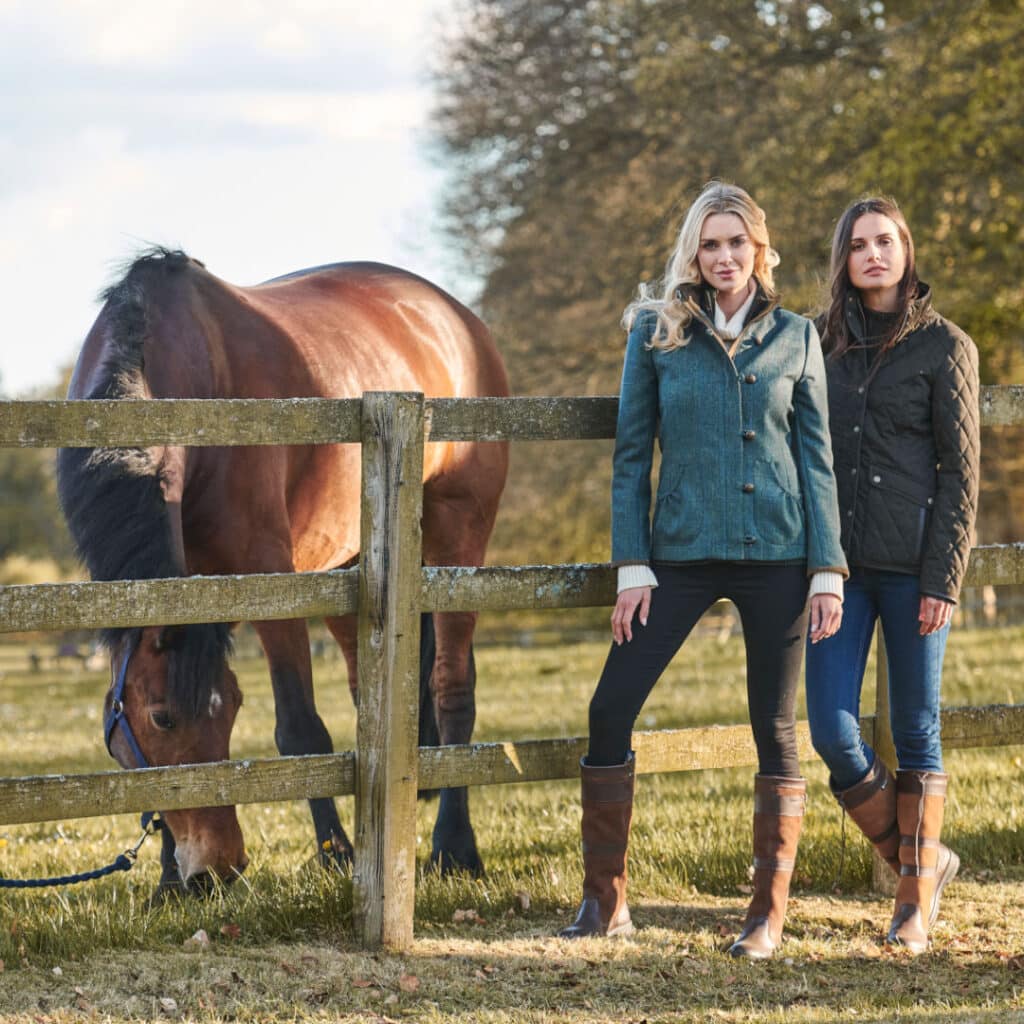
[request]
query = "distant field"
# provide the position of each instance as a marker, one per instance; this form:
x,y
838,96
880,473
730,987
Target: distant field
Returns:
x,y
285,921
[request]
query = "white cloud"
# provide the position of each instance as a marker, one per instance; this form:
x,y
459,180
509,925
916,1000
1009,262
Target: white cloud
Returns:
x,y
258,137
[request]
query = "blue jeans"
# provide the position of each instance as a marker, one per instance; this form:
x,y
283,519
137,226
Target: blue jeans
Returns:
x,y
835,674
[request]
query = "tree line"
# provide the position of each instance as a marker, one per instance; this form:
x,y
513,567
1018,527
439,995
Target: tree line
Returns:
x,y
578,132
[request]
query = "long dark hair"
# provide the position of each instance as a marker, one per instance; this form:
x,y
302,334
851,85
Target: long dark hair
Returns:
x,y
836,335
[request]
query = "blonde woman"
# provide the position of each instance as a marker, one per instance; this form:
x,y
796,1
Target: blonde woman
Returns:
x,y
733,387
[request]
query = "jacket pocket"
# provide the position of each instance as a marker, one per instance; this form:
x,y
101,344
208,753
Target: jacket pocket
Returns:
x,y
898,513
778,509
679,507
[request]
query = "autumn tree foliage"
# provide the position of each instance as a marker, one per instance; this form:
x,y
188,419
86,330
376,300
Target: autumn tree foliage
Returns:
x,y
578,132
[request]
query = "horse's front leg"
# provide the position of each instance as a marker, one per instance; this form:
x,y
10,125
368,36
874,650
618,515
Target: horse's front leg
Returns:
x,y
452,686
170,878
299,729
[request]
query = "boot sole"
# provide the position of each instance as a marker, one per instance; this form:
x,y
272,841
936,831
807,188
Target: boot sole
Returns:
x,y
947,876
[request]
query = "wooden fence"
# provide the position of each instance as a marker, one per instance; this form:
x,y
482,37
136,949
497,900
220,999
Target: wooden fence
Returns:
x,y
388,595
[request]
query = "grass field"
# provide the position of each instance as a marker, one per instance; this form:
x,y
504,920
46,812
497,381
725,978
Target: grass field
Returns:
x,y
280,945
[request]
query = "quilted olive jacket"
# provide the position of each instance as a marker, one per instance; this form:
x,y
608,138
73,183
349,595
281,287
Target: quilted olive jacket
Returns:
x,y
905,440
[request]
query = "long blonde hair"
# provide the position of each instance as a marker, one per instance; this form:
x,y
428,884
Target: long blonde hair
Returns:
x,y
682,268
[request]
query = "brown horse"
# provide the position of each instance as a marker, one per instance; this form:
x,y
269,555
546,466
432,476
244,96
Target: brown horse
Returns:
x,y
170,329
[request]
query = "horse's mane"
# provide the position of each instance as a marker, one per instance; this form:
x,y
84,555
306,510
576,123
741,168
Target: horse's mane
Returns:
x,y
112,498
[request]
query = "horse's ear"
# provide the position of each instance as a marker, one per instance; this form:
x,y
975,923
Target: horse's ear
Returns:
x,y
169,638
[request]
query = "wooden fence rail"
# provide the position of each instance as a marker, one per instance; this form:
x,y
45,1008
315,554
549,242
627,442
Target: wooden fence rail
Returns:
x,y
388,594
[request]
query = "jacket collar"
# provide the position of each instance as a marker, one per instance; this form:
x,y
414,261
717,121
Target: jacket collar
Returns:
x,y
700,300
919,312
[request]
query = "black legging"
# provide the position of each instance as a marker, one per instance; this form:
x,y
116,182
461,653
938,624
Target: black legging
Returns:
x,y
772,602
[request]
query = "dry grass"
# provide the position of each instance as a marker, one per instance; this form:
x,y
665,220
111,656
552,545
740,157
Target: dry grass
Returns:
x,y
280,942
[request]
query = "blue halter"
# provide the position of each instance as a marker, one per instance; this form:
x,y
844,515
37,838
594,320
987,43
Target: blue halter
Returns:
x,y
116,717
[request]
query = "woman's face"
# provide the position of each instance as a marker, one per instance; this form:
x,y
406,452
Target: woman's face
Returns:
x,y
726,253
877,258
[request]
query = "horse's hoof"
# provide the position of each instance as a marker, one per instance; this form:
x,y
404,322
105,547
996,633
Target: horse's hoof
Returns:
x,y
454,862
337,852
168,891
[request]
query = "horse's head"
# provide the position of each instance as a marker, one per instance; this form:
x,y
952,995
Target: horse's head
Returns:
x,y
173,700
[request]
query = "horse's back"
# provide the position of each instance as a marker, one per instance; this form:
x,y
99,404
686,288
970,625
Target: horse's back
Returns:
x,y
171,329
370,327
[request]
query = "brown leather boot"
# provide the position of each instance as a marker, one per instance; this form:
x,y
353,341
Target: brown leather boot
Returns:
x,y
607,797
871,804
926,866
778,814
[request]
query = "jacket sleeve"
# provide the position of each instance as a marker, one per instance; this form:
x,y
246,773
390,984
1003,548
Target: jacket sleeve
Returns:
x,y
635,431
814,463
956,429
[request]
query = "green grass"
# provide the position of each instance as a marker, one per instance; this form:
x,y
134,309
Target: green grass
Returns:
x,y
275,936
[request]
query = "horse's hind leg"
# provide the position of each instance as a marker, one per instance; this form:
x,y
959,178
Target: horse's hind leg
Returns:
x,y
299,729
459,508
453,684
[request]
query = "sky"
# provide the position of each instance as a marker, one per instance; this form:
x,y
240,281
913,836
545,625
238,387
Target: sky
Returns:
x,y
259,137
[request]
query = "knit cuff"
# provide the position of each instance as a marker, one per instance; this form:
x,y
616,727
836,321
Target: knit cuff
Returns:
x,y
635,576
827,583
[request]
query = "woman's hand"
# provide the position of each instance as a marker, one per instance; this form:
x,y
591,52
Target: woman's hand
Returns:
x,y
934,614
626,606
826,616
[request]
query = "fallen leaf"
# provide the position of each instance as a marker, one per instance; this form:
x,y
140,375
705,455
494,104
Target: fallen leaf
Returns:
x,y
200,940
408,983
168,1005
524,899
57,972
230,931
470,916
361,983
391,1000
288,968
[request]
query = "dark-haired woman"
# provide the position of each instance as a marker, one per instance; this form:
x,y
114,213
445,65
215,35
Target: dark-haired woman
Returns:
x,y
903,413
732,386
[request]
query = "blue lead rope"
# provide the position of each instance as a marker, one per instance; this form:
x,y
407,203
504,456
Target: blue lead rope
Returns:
x,y
124,862
150,822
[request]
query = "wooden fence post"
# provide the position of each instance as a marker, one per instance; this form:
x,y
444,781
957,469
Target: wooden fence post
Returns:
x,y
882,878
389,643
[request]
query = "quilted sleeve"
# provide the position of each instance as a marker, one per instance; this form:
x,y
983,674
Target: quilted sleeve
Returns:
x,y
956,426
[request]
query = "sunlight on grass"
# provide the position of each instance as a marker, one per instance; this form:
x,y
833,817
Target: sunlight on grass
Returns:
x,y
689,857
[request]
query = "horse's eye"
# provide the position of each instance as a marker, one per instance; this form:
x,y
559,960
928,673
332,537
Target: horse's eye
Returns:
x,y
162,720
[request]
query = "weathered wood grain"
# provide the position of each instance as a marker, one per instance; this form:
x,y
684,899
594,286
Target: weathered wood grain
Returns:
x,y
196,423
54,606
389,647
267,421
59,797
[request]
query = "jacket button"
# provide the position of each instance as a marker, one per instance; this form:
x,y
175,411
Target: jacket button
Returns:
x,y
856,429
748,488
749,540
931,501
876,479
849,513
749,435
860,390
853,472
750,378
